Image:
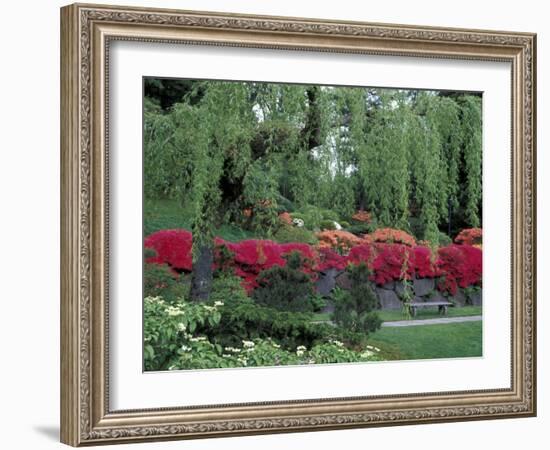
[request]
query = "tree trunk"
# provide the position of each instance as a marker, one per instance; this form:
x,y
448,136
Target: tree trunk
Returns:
x,y
201,279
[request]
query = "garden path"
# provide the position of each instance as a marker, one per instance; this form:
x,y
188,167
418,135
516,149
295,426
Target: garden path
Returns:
x,y
439,320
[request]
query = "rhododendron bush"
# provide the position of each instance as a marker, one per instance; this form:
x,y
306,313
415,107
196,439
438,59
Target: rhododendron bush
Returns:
x,y
454,265
470,236
391,235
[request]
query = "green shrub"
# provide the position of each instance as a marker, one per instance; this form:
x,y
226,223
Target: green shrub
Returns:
x,y
285,288
444,240
160,281
318,302
327,225
359,228
289,233
313,216
354,309
344,224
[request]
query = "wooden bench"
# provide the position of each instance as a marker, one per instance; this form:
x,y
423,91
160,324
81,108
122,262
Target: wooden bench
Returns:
x,y
443,307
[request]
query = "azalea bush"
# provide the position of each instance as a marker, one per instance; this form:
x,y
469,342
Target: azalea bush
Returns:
x,y
470,236
383,251
339,240
390,235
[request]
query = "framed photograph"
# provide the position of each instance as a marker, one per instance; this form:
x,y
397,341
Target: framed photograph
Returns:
x,y
275,224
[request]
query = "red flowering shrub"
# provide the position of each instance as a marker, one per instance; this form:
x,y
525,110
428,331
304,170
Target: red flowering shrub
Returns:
x,y
393,262
391,235
250,257
470,236
457,265
460,265
362,253
329,259
172,247
425,263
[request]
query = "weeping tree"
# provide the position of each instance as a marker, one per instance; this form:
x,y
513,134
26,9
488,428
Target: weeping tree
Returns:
x,y
226,150
225,147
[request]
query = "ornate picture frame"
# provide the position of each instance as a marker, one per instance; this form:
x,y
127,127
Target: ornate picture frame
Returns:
x,y
87,31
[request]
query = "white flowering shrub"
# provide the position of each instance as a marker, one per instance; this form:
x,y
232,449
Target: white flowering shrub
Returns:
x,y
171,342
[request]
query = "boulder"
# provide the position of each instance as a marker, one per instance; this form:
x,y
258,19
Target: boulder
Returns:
x,y
476,298
388,299
390,285
343,281
459,299
437,296
326,282
423,286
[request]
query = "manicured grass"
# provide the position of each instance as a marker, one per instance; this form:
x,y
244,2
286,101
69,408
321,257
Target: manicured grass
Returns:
x,y
430,313
422,313
168,214
452,340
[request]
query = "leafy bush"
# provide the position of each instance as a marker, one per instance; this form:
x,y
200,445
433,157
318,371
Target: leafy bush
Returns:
x,y
344,224
359,228
327,225
444,240
285,288
353,309
160,281
287,234
165,328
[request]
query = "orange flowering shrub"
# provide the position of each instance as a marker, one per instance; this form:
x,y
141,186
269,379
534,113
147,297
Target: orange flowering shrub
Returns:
x,y
391,235
362,216
470,236
285,217
339,239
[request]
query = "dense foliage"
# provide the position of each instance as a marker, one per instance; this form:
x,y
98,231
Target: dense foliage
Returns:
x,y
401,157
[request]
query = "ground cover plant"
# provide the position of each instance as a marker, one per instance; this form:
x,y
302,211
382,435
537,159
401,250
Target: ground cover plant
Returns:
x,y
289,224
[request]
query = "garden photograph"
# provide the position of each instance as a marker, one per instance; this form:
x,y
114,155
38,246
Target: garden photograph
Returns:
x,y
294,224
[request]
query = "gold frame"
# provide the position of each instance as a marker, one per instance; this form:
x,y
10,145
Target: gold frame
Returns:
x,y
86,31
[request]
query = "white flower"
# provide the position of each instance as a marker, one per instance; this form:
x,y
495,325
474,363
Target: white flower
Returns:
x,y
275,345
299,352
298,222
198,339
185,348
232,349
181,326
301,347
173,311
370,347
218,303
209,308
248,344
337,343
367,354
337,226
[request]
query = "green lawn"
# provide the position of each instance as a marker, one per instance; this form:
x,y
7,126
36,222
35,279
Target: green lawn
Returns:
x,y
422,313
168,214
452,340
